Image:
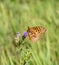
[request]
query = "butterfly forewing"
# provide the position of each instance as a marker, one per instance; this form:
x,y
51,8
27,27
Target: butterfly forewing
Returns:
x,y
35,33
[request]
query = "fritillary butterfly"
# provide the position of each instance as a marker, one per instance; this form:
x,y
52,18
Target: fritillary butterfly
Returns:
x,y
35,33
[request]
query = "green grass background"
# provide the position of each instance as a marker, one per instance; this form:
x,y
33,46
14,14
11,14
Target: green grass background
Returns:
x,y
16,16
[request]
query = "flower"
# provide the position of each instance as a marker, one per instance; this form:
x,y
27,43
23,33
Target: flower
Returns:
x,y
17,37
25,35
18,34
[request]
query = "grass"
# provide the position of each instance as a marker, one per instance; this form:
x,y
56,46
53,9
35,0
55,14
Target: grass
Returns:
x,y
16,16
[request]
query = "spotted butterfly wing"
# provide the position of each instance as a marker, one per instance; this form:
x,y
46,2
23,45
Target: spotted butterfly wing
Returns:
x,y
35,33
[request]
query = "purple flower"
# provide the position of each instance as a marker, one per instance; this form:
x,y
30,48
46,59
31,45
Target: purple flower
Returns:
x,y
25,35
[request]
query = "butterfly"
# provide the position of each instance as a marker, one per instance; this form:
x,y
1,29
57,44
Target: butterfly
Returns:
x,y
35,33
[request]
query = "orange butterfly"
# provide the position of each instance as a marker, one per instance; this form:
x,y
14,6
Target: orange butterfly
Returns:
x,y
35,33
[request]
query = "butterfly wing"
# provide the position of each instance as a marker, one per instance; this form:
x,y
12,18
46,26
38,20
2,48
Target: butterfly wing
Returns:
x,y
35,33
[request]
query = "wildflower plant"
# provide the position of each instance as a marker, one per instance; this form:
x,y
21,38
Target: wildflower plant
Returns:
x,y
25,52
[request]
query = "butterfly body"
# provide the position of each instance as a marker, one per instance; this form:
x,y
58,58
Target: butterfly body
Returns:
x,y
35,33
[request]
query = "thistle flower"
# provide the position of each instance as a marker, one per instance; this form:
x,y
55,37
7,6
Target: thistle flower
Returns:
x,y
25,35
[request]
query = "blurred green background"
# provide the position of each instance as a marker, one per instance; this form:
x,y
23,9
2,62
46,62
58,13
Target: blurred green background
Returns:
x,y
16,16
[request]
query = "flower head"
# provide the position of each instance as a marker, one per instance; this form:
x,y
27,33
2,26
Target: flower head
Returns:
x,y
25,35
17,37
18,34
